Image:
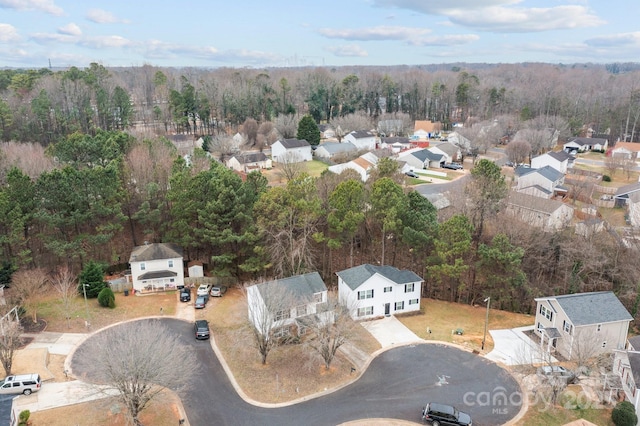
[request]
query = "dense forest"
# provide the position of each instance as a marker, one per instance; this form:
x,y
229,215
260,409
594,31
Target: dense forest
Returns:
x,y
86,173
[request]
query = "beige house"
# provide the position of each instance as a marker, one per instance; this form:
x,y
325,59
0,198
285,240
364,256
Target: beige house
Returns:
x,y
574,323
626,150
249,162
156,267
539,212
425,129
626,364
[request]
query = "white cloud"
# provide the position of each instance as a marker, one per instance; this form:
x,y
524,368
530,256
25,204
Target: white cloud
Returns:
x,y
70,29
157,49
47,6
374,33
500,19
100,16
45,38
502,16
8,33
616,40
105,42
445,40
348,50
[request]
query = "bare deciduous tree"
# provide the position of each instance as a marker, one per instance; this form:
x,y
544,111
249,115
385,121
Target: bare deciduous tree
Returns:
x,y
29,285
328,329
138,360
10,341
269,305
584,346
518,151
64,282
612,163
351,122
287,125
290,166
250,130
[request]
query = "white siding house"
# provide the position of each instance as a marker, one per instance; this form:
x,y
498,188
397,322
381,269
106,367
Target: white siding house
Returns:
x,y
362,139
372,291
329,149
568,322
281,307
363,165
546,182
539,212
248,162
156,267
559,160
626,364
290,151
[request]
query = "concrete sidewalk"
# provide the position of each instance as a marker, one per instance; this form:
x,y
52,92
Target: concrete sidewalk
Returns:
x,y
53,395
513,347
56,343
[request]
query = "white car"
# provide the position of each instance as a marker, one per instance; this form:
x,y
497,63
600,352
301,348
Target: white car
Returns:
x,y
203,290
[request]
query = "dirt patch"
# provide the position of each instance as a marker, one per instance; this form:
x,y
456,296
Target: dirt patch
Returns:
x,y
28,326
162,411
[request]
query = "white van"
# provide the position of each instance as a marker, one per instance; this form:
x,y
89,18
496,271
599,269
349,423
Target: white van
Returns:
x,y
22,383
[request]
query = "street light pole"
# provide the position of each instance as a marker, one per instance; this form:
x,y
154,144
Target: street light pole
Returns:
x,y
86,305
486,321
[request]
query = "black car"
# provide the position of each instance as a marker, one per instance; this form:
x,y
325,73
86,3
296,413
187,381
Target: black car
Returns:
x,y
412,174
185,295
201,302
442,414
201,328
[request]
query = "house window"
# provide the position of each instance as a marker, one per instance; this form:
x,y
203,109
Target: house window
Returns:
x,y
171,280
281,332
142,266
282,315
598,327
317,297
301,310
408,288
540,327
365,294
567,327
388,289
547,313
413,301
399,306
365,311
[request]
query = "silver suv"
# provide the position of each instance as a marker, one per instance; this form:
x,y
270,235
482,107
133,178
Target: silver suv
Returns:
x,y
22,383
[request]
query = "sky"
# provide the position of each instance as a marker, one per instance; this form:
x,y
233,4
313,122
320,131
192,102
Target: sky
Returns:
x,y
285,33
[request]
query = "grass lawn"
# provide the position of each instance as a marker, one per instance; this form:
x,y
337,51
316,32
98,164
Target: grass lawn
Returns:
x,y
127,307
442,318
315,168
291,371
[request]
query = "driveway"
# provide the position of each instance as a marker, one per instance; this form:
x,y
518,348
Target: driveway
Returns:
x,y
389,331
513,347
396,385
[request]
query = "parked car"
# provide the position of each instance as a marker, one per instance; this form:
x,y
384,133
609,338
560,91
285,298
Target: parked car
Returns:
x,y
185,295
218,290
201,302
557,371
22,383
203,290
452,166
509,164
201,328
442,414
412,174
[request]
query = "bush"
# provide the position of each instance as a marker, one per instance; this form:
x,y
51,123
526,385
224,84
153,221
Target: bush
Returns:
x,y
606,178
23,417
624,414
106,298
91,280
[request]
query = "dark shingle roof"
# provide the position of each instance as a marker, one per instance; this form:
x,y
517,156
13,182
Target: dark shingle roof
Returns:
x,y
587,141
592,308
533,203
357,275
559,155
634,363
549,173
335,147
294,143
359,134
157,274
156,251
634,341
301,287
628,189
253,157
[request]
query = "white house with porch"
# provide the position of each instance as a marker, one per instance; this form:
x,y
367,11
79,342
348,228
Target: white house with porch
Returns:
x,y
156,267
570,322
283,307
370,291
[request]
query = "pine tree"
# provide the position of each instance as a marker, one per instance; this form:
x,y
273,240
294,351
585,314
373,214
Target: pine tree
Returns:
x,y
92,278
308,130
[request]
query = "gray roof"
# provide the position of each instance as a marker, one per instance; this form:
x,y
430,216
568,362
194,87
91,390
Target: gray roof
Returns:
x,y
523,170
448,148
587,141
549,173
425,154
395,139
560,155
152,275
532,202
634,363
592,308
301,287
251,157
634,342
628,189
294,143
354,277
336,147
156,251
360,134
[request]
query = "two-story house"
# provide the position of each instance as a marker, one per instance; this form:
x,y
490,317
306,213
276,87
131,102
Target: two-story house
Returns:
x,y
559,160
156,267
566,322
362,140
281,307
545,182
371,291
290,151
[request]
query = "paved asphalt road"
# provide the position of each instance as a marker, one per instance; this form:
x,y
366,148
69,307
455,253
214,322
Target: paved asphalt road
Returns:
x,y
396,385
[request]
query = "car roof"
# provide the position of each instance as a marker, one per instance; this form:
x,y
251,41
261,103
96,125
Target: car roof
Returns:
x,y
202,322
442,408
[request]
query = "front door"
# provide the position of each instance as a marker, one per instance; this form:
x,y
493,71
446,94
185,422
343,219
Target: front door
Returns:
x,y
387,308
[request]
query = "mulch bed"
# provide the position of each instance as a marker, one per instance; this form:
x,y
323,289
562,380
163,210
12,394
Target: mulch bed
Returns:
x,y
33,327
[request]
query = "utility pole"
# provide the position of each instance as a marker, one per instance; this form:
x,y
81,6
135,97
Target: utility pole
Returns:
x,y
486,321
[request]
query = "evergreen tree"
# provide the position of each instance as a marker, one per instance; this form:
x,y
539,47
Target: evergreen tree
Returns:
x,y
308,130
92,278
